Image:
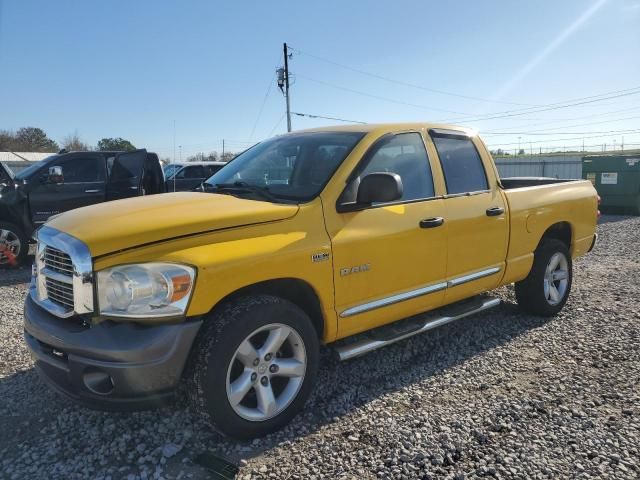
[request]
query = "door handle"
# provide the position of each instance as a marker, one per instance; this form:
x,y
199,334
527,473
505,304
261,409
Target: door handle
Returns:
x,y
494,211
133,188
92,191
431,222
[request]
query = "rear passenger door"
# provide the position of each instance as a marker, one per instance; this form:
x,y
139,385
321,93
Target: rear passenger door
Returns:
x,y
126,174
475,216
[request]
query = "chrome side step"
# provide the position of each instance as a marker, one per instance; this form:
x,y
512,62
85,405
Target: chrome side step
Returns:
x,y
448,314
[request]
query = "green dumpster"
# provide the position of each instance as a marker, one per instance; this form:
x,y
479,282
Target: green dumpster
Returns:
x,y
617,180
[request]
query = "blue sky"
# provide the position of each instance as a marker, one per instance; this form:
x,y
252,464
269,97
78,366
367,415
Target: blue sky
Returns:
x,y
132,68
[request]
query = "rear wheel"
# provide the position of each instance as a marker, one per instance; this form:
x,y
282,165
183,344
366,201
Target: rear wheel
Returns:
x,y
254,366
13,245
546,289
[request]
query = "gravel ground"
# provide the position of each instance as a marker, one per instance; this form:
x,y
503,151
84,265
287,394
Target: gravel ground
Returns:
x,y
502,395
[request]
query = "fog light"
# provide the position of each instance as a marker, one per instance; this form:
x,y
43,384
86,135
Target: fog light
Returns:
x,y
98,381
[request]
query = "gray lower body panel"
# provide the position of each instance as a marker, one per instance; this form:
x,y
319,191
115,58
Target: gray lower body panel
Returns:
x,y
114,366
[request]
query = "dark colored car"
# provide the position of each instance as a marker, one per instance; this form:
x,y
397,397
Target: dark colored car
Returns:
x,y
66,181
181,177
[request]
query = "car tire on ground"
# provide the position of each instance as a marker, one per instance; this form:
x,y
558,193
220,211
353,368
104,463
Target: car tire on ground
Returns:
x,y
253,365
15,241
546,289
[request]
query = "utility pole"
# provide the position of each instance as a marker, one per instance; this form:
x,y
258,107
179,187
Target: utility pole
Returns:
x,y
286,85
174,140
222,149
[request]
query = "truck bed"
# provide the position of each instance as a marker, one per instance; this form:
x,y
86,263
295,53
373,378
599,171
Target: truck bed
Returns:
x,y
536,203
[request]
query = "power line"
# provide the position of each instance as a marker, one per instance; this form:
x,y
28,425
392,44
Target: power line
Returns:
x,y
580,101
556,106
544,131
558,133
573,138
378,97
327,118
406,84
559,120
504,114
277,124
264,101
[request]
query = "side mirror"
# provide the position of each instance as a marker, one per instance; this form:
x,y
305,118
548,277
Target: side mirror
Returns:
x,y
55,175
379,187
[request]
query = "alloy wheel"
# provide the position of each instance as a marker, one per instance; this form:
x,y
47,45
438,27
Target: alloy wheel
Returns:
x,y
266,372
556,278
11,243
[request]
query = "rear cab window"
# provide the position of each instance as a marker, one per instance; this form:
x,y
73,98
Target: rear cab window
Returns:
x,y
461,163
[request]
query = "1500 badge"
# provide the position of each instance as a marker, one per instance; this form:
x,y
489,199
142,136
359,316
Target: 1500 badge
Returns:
x,y
357,269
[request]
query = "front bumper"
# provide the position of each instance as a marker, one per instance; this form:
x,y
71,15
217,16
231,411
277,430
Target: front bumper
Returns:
x,y
112,366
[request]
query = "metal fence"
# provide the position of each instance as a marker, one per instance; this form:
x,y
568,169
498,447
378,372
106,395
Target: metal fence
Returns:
x,y
556,166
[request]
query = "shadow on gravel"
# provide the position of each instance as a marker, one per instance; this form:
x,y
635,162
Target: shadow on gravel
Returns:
x,y
341,388
9,277
611,218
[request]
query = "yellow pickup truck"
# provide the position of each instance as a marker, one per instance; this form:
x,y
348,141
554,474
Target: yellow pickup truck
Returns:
x,y
308,238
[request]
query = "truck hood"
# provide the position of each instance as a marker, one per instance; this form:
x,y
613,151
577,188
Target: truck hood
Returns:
x,y
123,224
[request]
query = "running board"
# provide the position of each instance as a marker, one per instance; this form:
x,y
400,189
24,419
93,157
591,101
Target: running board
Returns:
x,y
391,334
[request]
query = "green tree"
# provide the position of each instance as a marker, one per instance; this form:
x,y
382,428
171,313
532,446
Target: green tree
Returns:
x,y
115,144
32,139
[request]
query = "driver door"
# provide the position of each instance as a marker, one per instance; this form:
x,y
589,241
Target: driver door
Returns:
x,y
125,176
81,184
390,258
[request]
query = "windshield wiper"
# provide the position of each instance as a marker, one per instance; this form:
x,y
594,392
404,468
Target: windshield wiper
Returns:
x,y
245,187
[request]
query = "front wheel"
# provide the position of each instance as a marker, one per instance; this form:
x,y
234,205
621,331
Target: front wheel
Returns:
x,y
254,366
14,245
546,289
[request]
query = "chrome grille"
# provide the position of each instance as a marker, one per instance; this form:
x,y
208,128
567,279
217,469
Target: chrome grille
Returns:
x,y
60,292
58,261
58,276
63,274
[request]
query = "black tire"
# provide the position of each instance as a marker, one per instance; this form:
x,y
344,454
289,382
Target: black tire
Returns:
x,y
530,292
224,330
24,245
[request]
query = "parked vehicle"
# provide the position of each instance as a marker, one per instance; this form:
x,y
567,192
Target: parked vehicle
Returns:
x,y
66,181
188,176
304,239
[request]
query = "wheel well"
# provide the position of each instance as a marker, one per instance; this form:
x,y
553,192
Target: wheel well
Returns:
x,y
559,231
297,291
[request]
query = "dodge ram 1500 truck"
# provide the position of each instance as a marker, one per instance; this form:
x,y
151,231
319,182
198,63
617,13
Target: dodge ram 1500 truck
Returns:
x,y
308,238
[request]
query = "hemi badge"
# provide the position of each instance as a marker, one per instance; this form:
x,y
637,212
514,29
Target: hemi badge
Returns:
x,y
320,257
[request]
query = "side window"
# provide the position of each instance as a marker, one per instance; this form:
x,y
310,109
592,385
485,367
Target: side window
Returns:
x,y
83,170
211,169
194,171
461,164
404,154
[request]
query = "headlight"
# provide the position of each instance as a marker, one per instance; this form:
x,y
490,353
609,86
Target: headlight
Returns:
x,y
145,290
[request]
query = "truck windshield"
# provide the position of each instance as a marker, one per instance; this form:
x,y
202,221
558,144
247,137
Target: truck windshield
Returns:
x,y
291,167
170,169
26,172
